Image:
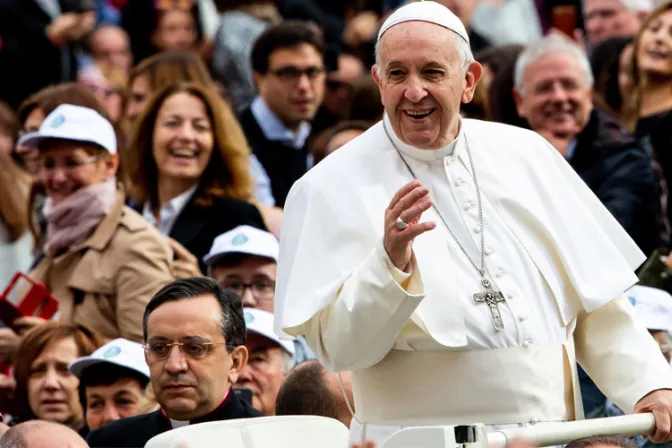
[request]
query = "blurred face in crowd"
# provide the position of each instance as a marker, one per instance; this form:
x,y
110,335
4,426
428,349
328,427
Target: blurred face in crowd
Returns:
x,y
192,380
183,139
108,96
556,97
605,19
293,87
110,45
107,403
52,389
422,83
654,55
263,373
340,84
461,8
252,278
66,166
342,138
140,92
32,124
176,31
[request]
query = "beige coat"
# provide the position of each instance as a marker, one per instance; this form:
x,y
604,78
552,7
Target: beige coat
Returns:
x,y
106,282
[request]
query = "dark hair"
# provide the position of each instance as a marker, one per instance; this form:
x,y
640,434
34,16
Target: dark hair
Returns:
x,y
13,439
288,34
106,374
605,64
233,322
600,440
227,173
498,57
49,98
164,69
320,145
305,392
366,103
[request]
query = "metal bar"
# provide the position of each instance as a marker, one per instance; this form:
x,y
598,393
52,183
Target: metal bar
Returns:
x,y
561,433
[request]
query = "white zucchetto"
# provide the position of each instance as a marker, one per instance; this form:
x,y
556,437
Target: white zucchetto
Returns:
x,y
426,11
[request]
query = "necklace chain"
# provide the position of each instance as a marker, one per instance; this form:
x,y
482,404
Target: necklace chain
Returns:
x,y
480,270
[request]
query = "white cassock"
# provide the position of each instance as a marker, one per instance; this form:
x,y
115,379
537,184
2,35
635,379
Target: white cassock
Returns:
x,y
420,350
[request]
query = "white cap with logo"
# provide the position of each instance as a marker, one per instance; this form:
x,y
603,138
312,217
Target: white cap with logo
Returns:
x,y
244,240
121,352
261,322
68,122
653,307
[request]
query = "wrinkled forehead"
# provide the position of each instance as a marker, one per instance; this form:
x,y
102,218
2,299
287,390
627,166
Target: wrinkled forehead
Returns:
x,y
417,41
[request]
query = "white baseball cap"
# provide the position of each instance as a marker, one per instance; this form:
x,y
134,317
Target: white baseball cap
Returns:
x,y
653,307
81,124
244,240
121,352
261,322
426,11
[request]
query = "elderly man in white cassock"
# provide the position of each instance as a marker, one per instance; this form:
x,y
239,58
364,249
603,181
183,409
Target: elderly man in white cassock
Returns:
x,y
460,268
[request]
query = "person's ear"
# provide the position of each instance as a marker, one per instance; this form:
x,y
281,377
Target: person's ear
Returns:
x,y
239,357
111,164
518,99
472,76
375,72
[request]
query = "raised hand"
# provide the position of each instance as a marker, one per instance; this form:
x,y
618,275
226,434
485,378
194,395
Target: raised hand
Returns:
x,y
408,204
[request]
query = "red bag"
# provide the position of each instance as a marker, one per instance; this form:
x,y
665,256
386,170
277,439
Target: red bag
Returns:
x,y
16,302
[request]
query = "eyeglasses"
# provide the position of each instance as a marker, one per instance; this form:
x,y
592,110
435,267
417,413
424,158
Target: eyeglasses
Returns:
x,y
71,164
261,289
291,74
160,351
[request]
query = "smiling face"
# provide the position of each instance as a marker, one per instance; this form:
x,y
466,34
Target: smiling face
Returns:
x,y
52,389
67,166
183,139
422,83
556,97
655,48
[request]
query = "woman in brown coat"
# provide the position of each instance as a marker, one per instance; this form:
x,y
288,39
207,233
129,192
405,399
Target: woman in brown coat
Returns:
x,y
102,261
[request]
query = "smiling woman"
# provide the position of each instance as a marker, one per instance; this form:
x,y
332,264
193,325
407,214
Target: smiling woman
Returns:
x,y
190,163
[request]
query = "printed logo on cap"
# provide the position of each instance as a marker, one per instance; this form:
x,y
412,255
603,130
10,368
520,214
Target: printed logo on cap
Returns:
x,y
249,318
632,300
112,352
239,240
58,122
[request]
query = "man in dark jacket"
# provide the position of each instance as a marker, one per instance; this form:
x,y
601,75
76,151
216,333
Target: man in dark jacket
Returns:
x,y
194,335
553,92
288,66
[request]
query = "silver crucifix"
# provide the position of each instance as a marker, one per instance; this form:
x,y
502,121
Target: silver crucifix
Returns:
x,y
492,298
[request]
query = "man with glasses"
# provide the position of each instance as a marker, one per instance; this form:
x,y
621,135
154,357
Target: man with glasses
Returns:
x,y
244,260
194,334
270,359
288,67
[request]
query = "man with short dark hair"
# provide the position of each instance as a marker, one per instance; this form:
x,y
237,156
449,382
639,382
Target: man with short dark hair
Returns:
x,y
194,335
288,66
309,389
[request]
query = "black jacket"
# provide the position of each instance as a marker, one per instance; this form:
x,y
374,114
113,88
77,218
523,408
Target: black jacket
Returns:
x,y
136,431
618,169
197,226
283,164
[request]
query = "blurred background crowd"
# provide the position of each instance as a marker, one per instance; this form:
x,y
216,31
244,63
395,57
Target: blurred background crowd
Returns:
x,y
147,141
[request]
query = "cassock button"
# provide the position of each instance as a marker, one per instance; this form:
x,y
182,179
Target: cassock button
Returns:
x,y
510,296
500,273
528,343
477,229
459,181
450,160
523,318
489,251
468,205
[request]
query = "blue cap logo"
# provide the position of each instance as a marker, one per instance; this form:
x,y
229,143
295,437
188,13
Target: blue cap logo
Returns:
x,y
239,240
249,318
58,122
632,300
111,352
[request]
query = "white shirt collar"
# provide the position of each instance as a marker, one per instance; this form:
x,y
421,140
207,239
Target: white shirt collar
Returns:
x,y
169,211
425,155
274,129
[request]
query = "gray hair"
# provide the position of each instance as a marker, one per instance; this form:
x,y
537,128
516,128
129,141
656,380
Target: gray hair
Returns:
x,y
287,361
550,44
461,45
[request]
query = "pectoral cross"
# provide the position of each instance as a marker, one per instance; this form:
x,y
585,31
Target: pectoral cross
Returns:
x,y
491,298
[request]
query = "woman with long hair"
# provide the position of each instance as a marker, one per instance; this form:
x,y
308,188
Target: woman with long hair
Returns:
x,y
189,161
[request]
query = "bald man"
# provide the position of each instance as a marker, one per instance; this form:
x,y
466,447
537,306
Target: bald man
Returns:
x,y
41,434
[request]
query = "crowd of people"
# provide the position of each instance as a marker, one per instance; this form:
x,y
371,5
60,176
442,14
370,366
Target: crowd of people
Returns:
x,y
148,149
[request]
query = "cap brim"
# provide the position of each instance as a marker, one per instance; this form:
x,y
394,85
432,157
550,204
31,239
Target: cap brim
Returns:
x,y
35,140
78,366
212,259
287,346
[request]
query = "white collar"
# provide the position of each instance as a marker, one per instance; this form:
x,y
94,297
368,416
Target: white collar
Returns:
x,y
169,211
425,155
274,129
